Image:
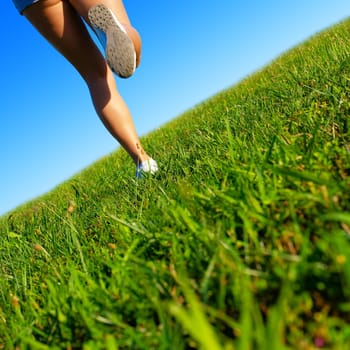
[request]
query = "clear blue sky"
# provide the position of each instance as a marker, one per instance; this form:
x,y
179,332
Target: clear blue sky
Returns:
x,y
192,50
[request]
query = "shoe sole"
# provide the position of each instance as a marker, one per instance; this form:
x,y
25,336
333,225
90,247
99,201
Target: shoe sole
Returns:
x,y
120,51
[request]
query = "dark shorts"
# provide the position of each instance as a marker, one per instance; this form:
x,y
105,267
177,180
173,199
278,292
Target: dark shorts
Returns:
x,y
22,4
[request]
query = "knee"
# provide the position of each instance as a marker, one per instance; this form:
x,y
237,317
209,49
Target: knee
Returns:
x,y
94,72
101,90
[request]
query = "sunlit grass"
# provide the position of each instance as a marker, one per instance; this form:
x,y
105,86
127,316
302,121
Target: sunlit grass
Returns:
x,y
240,242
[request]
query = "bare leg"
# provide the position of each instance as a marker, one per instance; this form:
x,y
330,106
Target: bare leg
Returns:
x,y
83,7
62,26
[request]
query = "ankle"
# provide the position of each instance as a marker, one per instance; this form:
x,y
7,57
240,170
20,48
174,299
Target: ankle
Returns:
x,y
135,37
142,158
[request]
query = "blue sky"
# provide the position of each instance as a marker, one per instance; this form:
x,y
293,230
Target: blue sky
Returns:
x,y
192,49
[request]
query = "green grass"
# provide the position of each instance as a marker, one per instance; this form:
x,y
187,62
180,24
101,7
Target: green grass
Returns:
x,y
241,241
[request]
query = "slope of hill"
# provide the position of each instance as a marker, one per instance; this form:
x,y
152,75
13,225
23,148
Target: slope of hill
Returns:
x,y
241,241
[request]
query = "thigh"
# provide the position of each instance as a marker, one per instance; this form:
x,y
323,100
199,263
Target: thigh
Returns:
x,y
117,6
62,26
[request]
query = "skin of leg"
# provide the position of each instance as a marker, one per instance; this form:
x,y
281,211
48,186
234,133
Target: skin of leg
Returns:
x,y
117,6
62,26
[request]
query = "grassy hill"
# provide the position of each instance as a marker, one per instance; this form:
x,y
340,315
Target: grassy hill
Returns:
x,y
241,242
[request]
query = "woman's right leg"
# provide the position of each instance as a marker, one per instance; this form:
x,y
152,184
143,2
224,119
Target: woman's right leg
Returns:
x,y
62,26
117,6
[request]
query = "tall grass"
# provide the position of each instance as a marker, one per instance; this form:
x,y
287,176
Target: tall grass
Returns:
x,y
241,241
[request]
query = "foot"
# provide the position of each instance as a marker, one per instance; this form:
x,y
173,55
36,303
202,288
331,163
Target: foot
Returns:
x,y
148,166
120,51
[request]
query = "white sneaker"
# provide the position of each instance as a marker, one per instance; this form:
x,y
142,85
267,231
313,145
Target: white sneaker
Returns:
x,y
148,166
120,51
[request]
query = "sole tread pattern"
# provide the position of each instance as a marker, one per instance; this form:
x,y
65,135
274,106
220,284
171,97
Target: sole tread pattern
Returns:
x,y
120,51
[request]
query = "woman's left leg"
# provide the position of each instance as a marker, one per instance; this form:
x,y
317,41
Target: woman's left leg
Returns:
x,y
62,26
